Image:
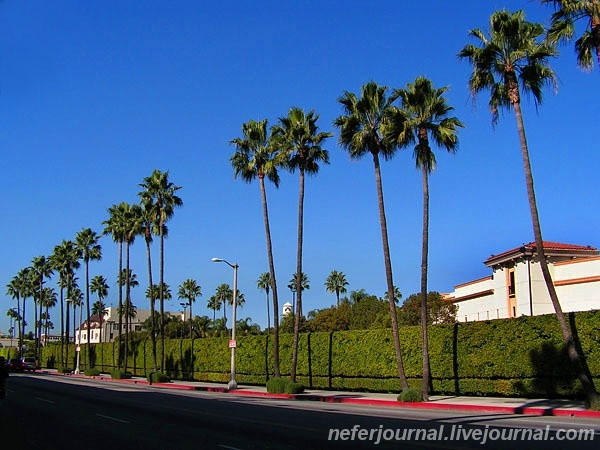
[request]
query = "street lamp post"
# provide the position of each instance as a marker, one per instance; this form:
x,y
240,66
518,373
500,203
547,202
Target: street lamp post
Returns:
x,y
68,301
232,343
184,306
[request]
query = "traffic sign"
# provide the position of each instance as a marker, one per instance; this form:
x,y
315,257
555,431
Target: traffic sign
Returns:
x,y
232,343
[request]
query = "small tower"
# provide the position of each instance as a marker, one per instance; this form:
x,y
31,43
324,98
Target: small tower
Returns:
x,y
287,309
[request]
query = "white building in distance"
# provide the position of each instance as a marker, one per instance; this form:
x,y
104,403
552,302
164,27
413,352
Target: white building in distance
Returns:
x,y
516,286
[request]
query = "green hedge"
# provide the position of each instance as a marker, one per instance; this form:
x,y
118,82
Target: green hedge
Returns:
x,y
511,357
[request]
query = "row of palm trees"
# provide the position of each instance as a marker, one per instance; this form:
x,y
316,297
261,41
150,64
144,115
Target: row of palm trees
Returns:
x,y
512,56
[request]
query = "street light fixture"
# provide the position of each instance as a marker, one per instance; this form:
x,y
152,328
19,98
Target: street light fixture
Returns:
x,y
232,343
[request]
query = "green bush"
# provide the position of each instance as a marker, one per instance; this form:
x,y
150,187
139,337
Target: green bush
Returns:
x,y
410,395
120,375
283,386
92,372
64,370
158,377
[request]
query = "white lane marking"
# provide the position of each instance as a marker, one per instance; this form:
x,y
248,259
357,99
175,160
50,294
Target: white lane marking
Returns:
x,y
44,400
112,418
228,447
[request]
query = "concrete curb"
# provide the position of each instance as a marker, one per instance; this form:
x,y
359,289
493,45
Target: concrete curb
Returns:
x,y
517,410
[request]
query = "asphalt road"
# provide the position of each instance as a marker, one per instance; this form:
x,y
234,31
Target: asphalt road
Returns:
x,y
46,412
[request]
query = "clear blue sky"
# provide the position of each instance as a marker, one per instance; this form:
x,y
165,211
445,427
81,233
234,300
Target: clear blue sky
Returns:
x,y
94,95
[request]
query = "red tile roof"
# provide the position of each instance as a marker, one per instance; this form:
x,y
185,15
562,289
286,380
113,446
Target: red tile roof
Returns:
x,y
556,248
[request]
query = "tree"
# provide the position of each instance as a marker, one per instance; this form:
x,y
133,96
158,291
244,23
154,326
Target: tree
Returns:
x,y
214,303
256,157
336,282
424,114
438,310
115,226
298,138
17,289
223,295
47,300
512,57
99,286
159,196
264,284
293,286
43,269
64,260
126,309
397,295
189,290
86,242
362,131
150,228
562,28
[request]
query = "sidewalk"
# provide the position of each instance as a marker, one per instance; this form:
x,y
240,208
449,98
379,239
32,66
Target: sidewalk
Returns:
x,y
536,407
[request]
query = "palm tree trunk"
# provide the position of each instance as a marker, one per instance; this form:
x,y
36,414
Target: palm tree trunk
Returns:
x,y
87,302
424,265
120,348
62,327
153,319
276,368
586,382
298,278
388,273
23,327
127,302
162,297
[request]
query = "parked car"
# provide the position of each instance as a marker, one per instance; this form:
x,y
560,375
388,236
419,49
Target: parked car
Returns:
x,y
29,363
15,365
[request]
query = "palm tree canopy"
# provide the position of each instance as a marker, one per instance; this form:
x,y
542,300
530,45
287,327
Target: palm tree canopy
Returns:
x,y
255,155
300,141
423,113
304,282
562,28
86,242
264,282
511,57
159,196
99,309
364,125
189,290
99,286
336,282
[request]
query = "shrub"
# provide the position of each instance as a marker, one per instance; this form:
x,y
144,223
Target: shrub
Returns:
x,y
120,375
64,370
158,377
283,386
410,395
91,372
595,405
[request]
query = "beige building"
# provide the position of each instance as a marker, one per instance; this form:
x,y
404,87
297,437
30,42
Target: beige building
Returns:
x,y
516,286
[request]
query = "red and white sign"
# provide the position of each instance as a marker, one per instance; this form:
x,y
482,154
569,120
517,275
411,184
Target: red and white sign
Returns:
x,y
232,343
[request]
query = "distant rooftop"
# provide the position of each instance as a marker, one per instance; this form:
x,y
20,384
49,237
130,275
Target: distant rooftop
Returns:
x,y
550,249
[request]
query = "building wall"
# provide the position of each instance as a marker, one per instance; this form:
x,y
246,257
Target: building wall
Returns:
x,y
577,284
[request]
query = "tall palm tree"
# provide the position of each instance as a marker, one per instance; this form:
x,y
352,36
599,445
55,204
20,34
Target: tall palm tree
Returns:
x,y
159,195
64,260
256,157
223,294
264,284
116,228
512,57
86,242
99,309
336,282
17,289
129,279
562,28
293,286
150,228
214,303
424,113
47,301
190,290
397,295
297,136
362,131
43,269
98,286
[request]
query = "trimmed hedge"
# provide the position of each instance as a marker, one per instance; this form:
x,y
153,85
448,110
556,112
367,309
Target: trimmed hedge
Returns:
x,y
508,357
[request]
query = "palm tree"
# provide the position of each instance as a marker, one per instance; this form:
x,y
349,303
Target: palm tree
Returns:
x,y
397,295
362,131
223,295
336,282
264,284
115,226
293,286
513,57
17,289
99,309
150,228
98,286
43,269
298,138
214,303
129,279
424,114
190,290
562,28
47,301
159,196
65,260
256,157
86,242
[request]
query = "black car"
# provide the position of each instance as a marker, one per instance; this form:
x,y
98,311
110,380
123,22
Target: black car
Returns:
x,y
29,363
15,365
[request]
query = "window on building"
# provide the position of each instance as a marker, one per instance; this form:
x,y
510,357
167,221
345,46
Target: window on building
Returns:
x,y
511,283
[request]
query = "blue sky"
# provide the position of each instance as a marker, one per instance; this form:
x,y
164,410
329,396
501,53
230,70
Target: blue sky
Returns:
x,y
95,95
